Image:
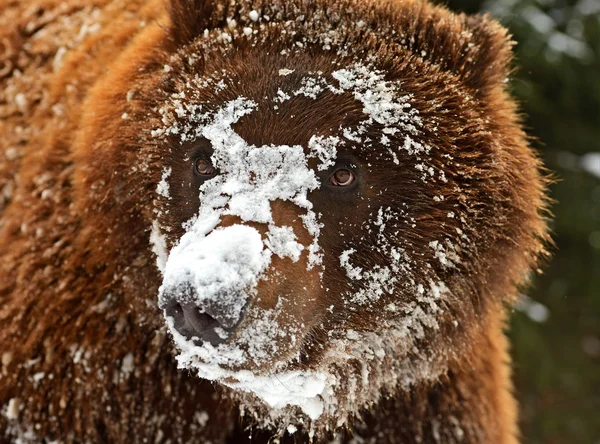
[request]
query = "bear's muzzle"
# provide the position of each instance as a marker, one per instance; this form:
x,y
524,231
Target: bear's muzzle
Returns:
x,y
208,281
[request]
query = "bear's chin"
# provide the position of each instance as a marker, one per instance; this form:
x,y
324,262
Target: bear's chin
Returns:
x,y
331,397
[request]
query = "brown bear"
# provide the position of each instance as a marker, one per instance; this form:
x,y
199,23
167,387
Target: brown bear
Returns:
x,y
259,221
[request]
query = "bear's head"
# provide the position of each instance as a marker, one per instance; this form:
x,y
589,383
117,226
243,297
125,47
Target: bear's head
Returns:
x,y
339,193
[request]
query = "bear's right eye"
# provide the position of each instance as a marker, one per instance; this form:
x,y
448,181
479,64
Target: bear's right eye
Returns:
x,y
342,178
203,167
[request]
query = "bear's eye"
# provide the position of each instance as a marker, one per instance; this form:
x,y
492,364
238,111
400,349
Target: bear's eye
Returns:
x,y
204,167
342,178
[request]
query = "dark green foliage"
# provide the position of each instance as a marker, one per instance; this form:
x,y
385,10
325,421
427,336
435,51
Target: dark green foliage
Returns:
x,y
557,361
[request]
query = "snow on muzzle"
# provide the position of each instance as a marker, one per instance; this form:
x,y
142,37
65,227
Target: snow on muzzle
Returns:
x,y
208,280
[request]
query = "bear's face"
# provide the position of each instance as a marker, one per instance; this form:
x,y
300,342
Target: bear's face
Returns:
x,y
305,221
336,199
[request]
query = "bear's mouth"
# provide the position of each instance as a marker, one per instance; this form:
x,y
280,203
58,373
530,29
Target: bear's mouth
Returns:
x,y
262,341
279,383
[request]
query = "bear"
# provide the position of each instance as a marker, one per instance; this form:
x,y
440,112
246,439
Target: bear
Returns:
x,y
260,221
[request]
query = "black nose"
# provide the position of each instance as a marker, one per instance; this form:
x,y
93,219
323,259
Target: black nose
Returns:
x,y
196,325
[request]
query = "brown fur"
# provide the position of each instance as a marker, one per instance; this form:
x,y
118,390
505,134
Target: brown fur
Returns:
x,y
78,283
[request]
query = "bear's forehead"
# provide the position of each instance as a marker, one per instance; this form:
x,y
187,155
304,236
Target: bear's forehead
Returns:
x,y
290,105
283,119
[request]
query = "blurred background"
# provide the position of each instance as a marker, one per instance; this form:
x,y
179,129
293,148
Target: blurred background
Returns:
x,y
555,331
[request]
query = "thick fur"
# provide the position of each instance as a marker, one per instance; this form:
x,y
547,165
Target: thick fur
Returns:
x,y
85,355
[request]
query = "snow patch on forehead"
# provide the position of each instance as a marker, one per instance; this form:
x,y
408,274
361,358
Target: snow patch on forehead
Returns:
x,y
382,101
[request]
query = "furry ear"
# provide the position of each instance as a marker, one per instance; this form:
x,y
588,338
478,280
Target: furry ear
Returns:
x,y
489,56
189,18
477,49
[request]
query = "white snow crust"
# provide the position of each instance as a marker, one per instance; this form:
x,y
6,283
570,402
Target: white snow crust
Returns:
x,y
162,189
159,246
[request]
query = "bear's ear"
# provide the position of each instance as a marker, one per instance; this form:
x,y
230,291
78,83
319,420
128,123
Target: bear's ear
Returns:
x,y
189,18
476,49
486,59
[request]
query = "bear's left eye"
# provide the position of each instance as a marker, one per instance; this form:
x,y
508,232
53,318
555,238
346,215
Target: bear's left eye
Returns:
x,y
342,177
204,167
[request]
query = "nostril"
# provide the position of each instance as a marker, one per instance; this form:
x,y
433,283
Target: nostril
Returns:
x,y
174,310
192,323
198,320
